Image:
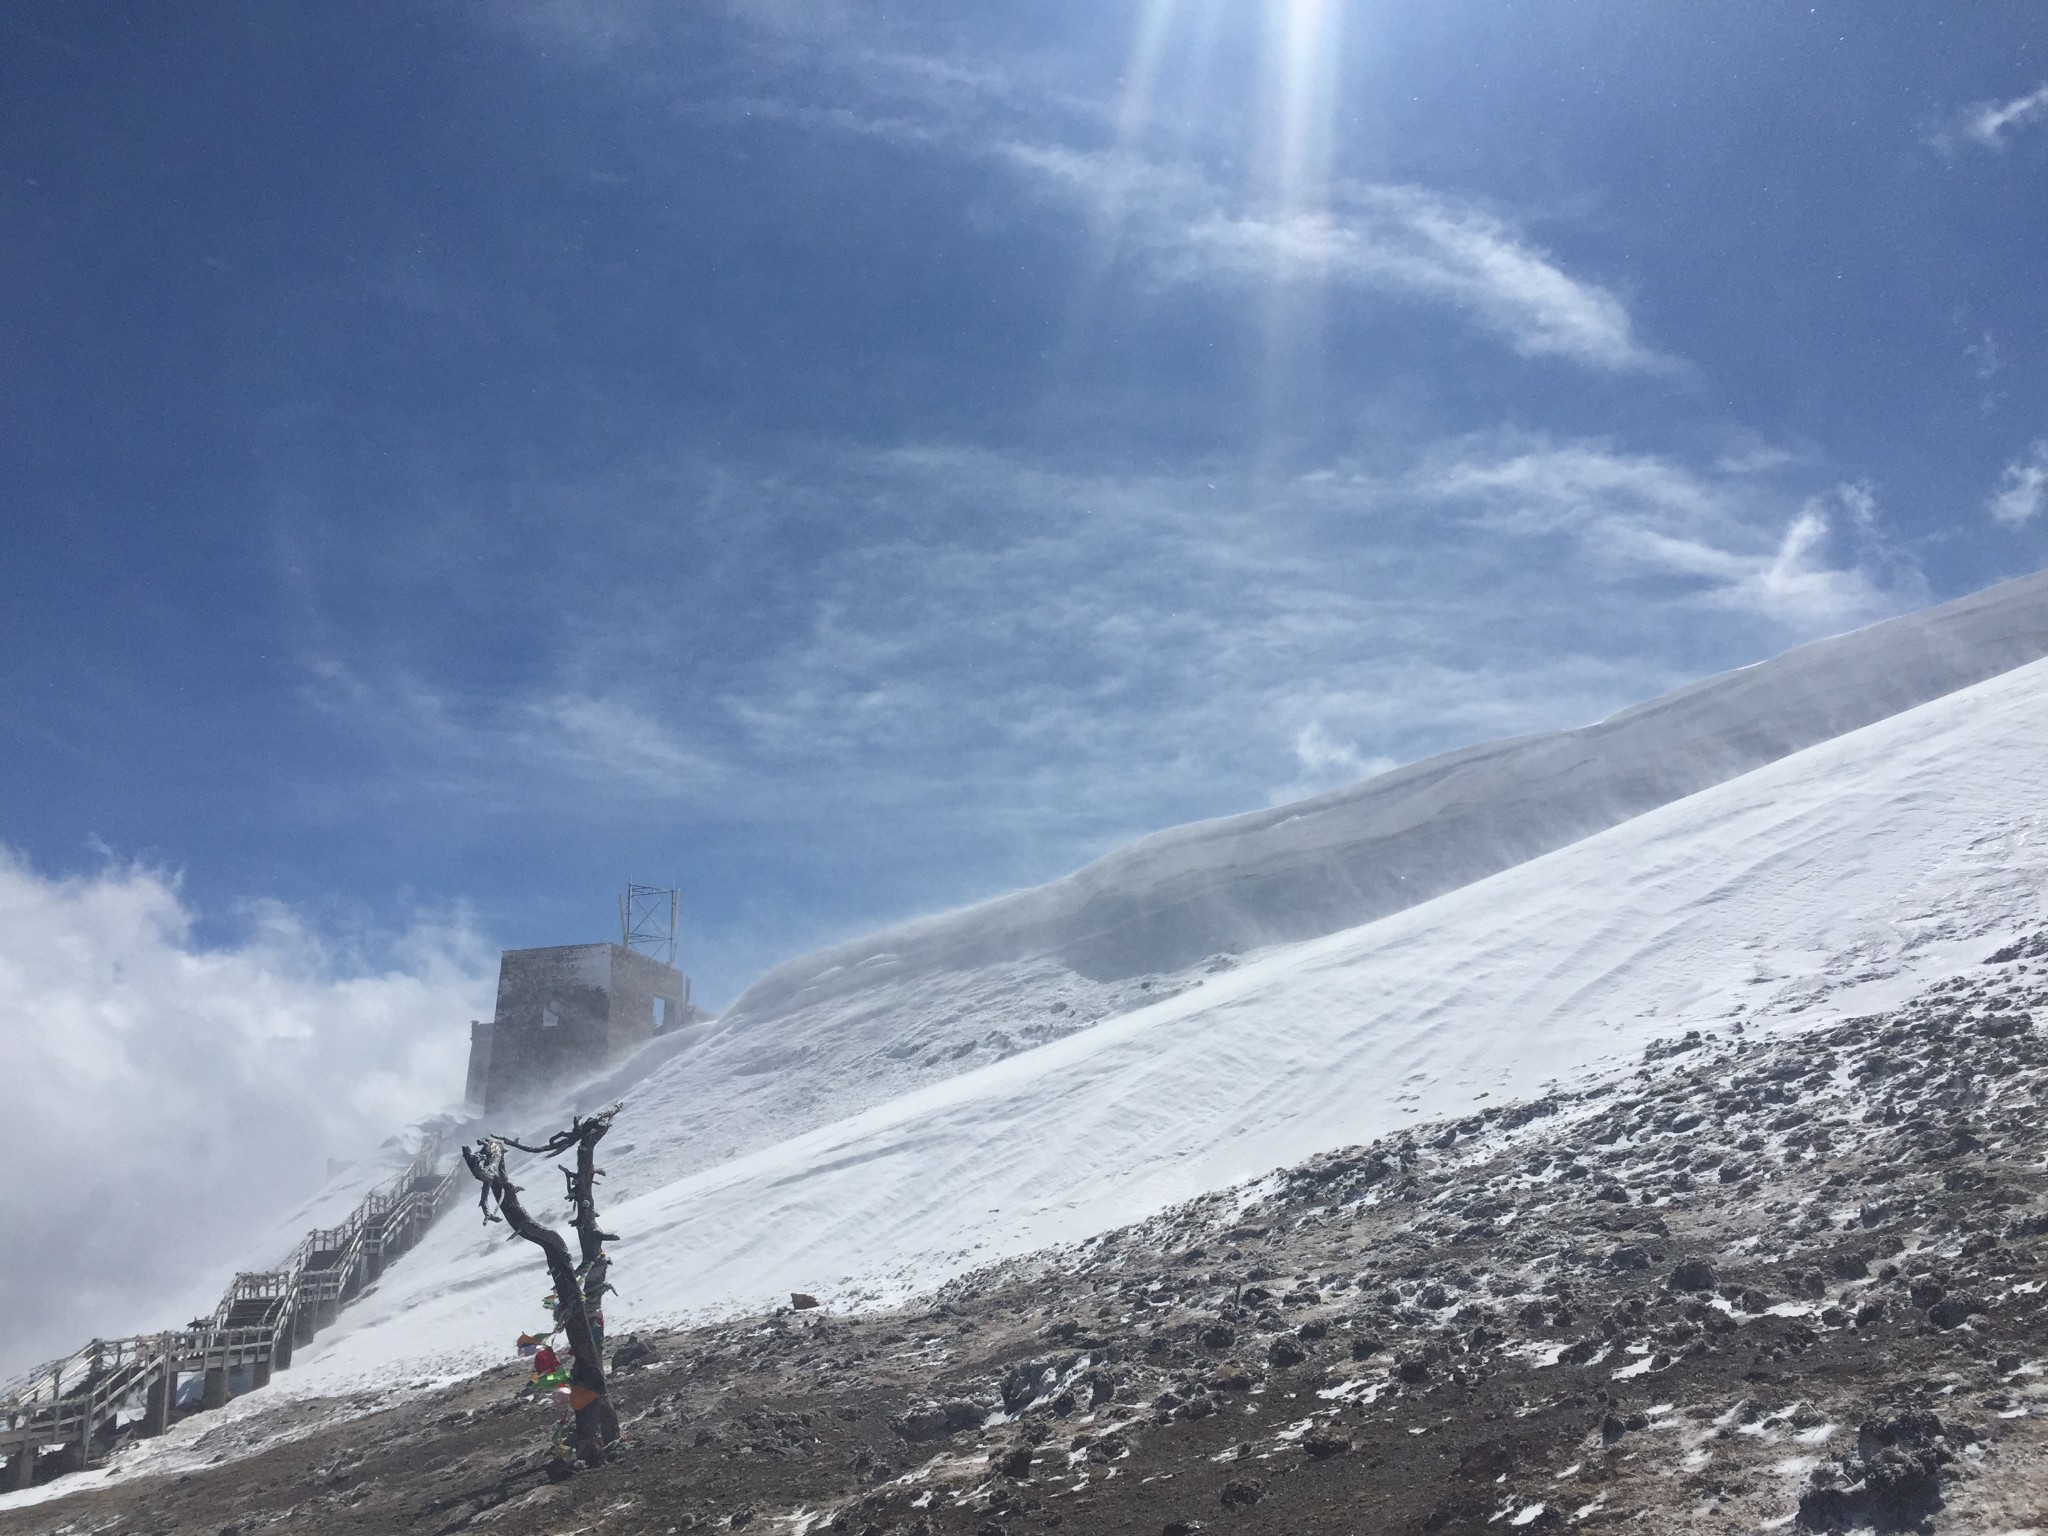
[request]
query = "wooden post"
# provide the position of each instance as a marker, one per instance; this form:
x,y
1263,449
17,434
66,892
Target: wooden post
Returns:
x,y
216,1393
87,1417
159,1401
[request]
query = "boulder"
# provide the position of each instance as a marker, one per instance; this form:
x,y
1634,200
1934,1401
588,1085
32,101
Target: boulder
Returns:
x,y
935,1421
1694,1274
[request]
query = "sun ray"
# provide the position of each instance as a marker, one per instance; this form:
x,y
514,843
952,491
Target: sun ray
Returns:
x,y
1297,115
1141,75
1304,37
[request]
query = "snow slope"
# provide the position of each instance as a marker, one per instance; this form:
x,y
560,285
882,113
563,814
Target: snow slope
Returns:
x,y
1316,866
1836,880
855,1026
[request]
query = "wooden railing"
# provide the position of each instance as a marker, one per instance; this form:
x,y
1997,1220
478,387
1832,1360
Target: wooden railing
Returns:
x,y
65,1415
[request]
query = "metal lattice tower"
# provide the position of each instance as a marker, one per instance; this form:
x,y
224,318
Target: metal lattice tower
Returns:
x,y
647,920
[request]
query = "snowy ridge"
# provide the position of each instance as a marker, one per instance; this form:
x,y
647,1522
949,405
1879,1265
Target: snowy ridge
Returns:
x,y
1836,881
855,1026
1314,867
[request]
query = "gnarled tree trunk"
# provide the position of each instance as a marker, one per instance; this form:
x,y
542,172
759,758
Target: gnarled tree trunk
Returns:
x,y
579,1288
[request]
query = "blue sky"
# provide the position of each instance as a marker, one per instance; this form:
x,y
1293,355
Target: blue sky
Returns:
x,y
853,459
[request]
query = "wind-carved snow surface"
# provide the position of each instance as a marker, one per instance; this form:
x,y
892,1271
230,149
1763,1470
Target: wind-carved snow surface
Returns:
x,y
1836,881
860,1024
1317,866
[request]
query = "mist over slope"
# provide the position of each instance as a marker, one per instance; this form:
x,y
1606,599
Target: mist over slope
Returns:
x,y
1836,881
1300,871
853,1026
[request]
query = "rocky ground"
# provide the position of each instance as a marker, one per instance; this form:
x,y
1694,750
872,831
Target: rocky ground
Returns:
x,y
1795,1282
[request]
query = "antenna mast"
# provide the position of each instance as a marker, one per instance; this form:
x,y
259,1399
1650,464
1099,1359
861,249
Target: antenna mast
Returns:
x,y
647,920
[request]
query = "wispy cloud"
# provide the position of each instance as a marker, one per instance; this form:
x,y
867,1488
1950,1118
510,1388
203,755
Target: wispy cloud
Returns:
x,y
1187,222
608,746
2022,488
1327,761
1984,359
1731,541
1404,242
1113,621
612,738
169,1098
1413,242
1118,647
1991,124
964,669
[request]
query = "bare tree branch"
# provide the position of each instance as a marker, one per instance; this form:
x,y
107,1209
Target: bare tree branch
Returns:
x,y
579,1288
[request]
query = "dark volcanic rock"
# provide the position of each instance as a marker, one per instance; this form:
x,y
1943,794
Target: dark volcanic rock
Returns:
x,y
1892,1483
1694,1274
632,1353
1024,1384
1321,1442
1286,1351
1926,1293
935,1421
1241,1493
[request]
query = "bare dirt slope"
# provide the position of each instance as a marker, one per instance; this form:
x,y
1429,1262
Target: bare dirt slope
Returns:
x,y
1795,1282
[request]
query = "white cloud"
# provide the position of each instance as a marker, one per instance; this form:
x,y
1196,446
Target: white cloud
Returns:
x,y
606,745
1020,660
1118,648
611,739
1540,487
2023,487
1990,124
1406,242
1798,584
1727,535
1320,753
1983,355
169,1099
1138,639
1402,241
1326,762
1409,241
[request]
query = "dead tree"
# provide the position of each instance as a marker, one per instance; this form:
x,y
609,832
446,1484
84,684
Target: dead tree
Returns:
x,y
579,1288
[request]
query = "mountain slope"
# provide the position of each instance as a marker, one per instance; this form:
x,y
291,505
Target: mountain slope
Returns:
x,y
857,1025
1303,870
1759,1284
1836,880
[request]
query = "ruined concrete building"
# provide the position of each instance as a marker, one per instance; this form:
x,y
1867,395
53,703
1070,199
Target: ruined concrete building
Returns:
x,y
566,1012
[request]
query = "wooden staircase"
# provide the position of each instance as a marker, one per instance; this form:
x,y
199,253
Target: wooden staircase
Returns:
x,y
69,1414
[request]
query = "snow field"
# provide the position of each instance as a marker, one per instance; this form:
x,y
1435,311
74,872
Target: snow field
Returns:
x,y
856,1026
1834,881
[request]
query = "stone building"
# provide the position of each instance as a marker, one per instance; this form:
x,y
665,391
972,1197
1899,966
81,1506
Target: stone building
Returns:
x,y
567,1012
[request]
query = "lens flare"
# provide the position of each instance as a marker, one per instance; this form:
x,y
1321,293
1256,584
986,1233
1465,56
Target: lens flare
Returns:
x,y
1297,117
1302,47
